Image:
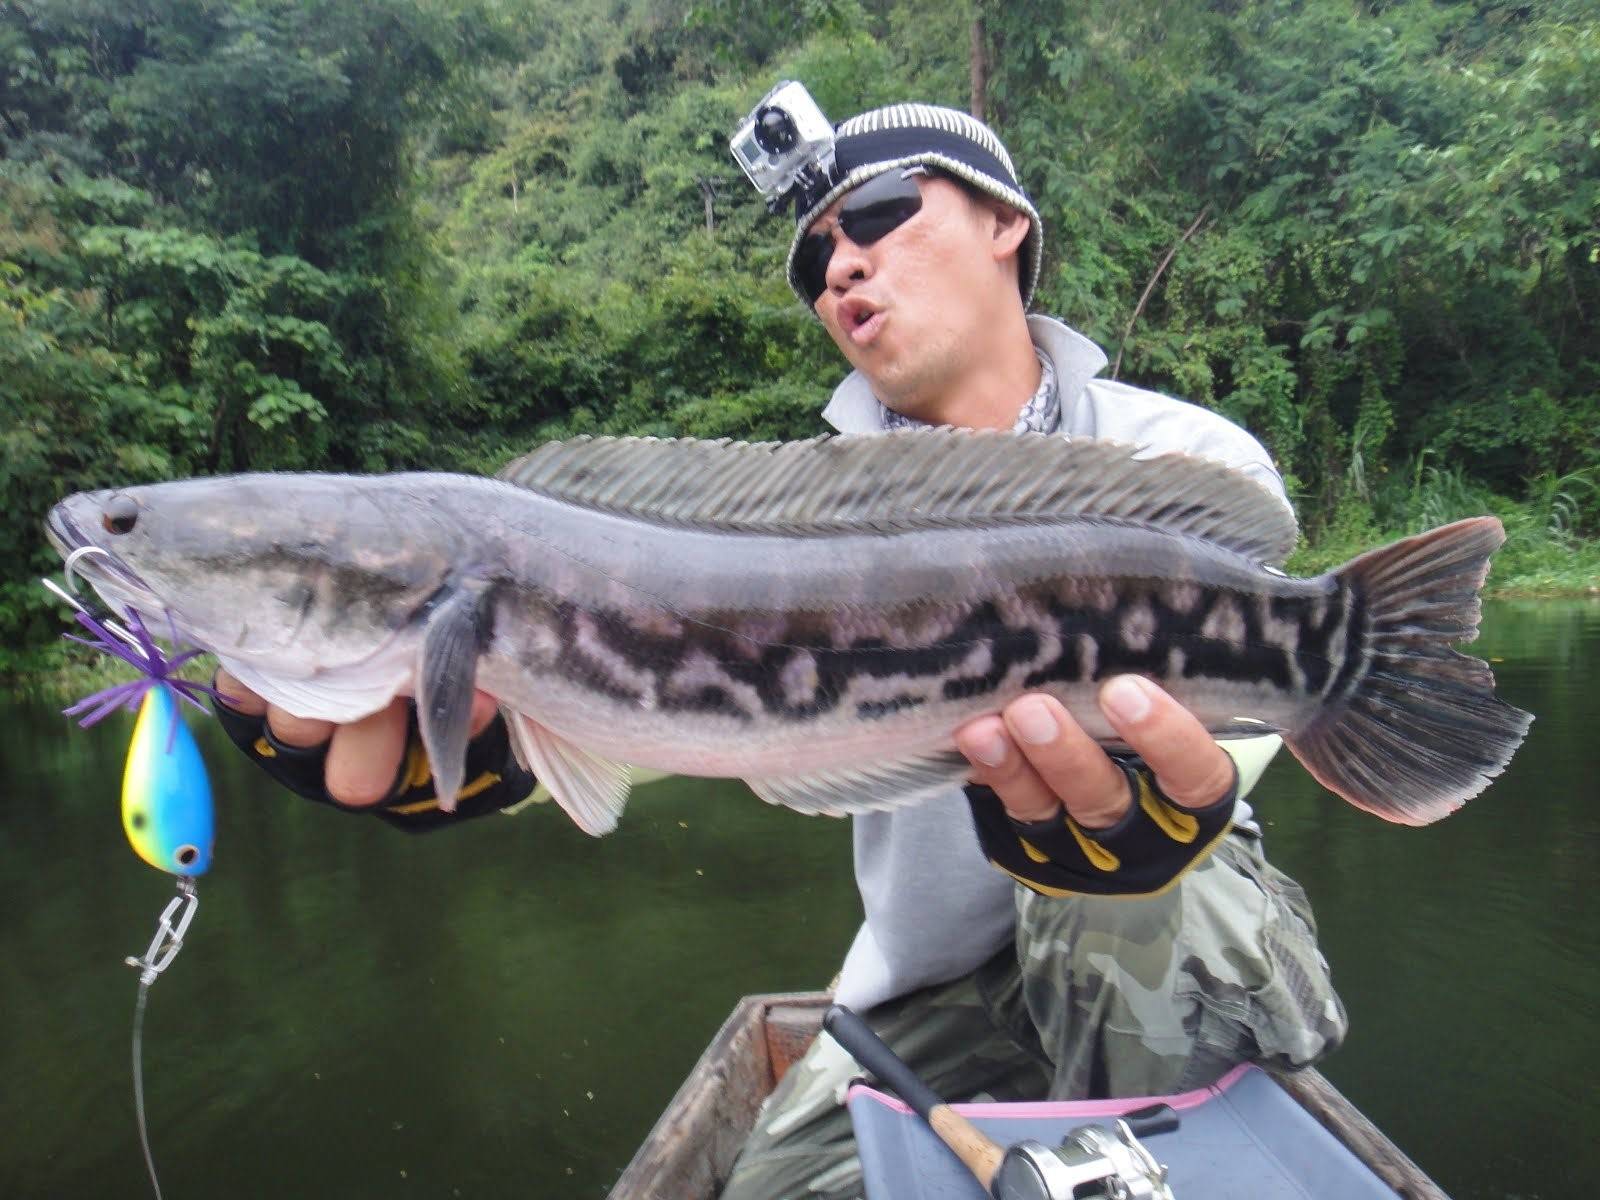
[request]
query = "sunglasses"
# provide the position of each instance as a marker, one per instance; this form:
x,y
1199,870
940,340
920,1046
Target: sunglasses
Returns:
x,y
871,212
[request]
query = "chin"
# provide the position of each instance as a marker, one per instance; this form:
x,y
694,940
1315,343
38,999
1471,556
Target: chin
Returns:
x,y
915,406
909,391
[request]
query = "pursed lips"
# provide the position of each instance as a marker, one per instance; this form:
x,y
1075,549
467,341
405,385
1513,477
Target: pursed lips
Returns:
x,y
860,319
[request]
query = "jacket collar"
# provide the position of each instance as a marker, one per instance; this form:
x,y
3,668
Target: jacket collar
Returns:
x,y
854,409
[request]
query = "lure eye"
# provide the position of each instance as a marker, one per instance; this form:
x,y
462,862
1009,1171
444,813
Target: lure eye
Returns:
x,y
121,514
187,855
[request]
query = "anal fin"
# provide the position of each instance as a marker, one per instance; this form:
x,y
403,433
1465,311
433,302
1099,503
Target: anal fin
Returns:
x,y
591,790
865,789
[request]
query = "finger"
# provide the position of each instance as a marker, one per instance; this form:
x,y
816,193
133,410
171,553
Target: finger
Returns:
x,y
996,763
1068,762
364,756
236,696
1188,764
484,707
299,732
1037,758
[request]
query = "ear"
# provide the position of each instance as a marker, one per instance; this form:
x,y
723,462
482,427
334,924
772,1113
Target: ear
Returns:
x,y
1011,227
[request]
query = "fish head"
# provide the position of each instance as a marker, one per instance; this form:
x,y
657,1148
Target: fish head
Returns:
x,y
296,573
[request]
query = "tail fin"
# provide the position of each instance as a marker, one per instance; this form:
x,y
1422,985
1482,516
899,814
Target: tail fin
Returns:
x,y
1419,731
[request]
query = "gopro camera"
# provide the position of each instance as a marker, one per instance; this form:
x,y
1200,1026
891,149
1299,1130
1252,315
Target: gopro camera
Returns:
x,y
785,146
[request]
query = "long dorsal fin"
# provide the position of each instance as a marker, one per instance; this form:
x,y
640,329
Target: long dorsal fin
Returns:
x,y
908,479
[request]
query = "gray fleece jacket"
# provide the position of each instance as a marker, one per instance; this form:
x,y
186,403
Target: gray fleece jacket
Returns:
x,y
935,909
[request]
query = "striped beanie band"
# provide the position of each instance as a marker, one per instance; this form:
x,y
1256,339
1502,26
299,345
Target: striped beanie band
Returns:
x,y
908,135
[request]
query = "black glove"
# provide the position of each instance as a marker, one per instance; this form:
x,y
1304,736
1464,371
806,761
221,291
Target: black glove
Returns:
x,y
494,778
1141,855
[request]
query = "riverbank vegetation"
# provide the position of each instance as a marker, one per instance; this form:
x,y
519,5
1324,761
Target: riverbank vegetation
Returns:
x,y
302,234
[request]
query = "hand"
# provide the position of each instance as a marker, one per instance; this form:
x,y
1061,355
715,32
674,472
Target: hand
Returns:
x,y
364,757
1039,760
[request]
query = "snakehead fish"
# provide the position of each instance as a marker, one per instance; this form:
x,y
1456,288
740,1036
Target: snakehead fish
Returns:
x,y
816,617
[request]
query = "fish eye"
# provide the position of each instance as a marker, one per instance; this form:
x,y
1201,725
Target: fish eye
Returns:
x,y
137,820
186,855
121,514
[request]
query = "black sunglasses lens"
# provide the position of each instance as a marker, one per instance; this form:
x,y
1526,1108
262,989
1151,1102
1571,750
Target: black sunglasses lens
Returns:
x,y
811,265
874,212
870,213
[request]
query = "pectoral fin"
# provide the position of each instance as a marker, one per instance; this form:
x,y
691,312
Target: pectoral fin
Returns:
x,y
456,634
592,790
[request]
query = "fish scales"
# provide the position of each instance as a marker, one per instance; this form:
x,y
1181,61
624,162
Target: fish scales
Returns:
x,y
816,618
755,688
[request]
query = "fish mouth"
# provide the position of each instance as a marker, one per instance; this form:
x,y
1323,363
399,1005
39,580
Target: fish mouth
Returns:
x,y
63,532
115,582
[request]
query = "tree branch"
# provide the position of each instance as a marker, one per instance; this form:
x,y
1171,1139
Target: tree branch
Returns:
x,y
708,193
16,130
978,67
1151,286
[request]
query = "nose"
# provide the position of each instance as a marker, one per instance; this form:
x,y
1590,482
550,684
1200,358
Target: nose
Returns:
x,y
848,265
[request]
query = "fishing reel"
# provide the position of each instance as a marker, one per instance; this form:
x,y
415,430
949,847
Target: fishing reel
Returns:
x,y
1092,1163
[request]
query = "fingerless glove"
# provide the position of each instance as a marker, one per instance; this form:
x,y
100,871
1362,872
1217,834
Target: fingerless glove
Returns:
x,y
1143,854
494,778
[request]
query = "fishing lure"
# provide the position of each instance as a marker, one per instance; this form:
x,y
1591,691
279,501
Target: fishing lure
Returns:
x,y
167,813
166,795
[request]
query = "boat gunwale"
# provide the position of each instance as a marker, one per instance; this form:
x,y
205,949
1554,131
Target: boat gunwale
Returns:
x,y
691,1148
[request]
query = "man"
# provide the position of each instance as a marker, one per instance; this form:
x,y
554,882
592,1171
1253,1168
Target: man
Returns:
x,y
983,986
920,261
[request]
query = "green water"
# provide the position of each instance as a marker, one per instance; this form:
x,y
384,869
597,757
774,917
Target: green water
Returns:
x,y
503,1009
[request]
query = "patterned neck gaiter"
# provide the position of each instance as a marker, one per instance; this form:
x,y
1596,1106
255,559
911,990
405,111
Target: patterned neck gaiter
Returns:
x,y
1041,414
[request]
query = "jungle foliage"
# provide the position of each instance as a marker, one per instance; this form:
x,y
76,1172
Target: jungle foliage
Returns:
x,y
306,234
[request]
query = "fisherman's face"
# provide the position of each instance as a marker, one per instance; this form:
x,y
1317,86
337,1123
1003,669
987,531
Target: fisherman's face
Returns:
x,y
913,309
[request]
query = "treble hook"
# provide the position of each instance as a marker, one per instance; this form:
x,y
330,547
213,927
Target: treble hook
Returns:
x,y
72,597
168,940
71,563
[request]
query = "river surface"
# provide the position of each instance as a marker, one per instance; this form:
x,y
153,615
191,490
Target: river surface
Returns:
x,y
502,1009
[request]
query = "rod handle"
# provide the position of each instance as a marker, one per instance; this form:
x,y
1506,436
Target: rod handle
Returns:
x,y
971,1145
868,1049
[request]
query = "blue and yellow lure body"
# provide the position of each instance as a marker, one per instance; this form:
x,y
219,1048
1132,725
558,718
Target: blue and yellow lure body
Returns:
x,y
166,795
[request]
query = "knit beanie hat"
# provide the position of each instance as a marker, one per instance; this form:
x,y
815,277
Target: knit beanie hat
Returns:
x,y
908,135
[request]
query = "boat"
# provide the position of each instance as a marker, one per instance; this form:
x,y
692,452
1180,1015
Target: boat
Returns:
x,y
689,1152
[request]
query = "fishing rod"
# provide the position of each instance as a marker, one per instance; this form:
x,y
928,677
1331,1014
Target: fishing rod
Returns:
x,y
1093,1162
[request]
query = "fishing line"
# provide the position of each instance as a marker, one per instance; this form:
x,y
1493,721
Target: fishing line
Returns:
x,y
163,949
138,1085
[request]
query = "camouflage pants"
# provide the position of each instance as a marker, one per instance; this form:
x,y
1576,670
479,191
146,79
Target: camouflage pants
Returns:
x,y
1099,997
